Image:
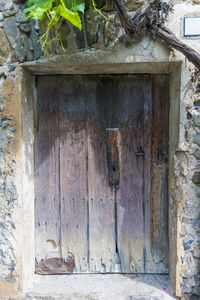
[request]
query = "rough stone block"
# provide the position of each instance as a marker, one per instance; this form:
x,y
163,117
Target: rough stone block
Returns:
x,y
21,17
186,220
4,47
133,5
197,251
92,27
197,191
25,28
187,245
196,289
14,36
1,16
196,178
9,13
80,38
34,40
197,139
197,154
196,120
6,5
188,284
197,104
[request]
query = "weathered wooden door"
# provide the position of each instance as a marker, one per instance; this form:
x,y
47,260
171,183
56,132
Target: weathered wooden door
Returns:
x,y
101,160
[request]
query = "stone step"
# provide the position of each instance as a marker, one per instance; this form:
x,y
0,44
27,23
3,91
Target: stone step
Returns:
x,y
100,287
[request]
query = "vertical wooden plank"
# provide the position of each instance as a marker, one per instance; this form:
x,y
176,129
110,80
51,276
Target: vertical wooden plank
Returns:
x,y
129,104
149,264
47,196
159,172
73,171
101,194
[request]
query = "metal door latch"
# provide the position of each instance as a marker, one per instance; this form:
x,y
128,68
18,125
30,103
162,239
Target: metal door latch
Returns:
x,y
140,152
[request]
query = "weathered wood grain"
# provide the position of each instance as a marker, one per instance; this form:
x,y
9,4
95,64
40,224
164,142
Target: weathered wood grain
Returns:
x,y
101,149
73,171
159,172
47,196
101,193
52,266
112,147
149,264
129,115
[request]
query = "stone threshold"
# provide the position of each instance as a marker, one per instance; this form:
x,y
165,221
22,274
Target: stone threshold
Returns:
x,y
100,287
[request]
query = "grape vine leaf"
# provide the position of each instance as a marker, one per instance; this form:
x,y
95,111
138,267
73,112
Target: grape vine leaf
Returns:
x,y
75,5
71,16
37,8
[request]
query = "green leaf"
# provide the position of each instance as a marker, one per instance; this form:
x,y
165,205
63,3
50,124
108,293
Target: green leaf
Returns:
x,y
37,8
72,17
75,5
38,3
38,14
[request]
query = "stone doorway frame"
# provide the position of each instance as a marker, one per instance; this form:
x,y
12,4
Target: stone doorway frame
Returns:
x,y
87,65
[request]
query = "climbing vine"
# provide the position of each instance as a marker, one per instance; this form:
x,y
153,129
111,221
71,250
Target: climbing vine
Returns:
x,y
54,12
149,18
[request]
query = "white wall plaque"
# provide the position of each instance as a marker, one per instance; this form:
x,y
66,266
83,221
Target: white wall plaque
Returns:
x,y
191,26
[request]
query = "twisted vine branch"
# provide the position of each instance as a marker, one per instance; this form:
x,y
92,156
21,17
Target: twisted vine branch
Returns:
x,y
150,18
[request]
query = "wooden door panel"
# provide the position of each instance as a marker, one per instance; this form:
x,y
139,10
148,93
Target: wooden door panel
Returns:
x,y
101,194
101,168
159,172
73,171
47,196
149,264
129,114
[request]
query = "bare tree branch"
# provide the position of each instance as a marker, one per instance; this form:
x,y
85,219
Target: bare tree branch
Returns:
x,y
149,18
166,35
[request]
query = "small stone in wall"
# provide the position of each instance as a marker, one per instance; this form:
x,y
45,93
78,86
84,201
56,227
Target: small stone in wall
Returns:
x,y
190,267
188,244
92,27
197,139
4,48
196,289
80,38
132,5
9,13
197,251
196,178
15,38
20,17
5,5
1,16
197,191
11,68
25,27
197,104
196,119
186,220
188,284
197,154
35,36
196,225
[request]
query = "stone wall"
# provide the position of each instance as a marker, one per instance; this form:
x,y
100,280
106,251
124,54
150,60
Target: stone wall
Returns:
x,y
18,44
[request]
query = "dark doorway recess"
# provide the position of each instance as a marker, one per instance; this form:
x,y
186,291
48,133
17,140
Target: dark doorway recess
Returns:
x,y
101,168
